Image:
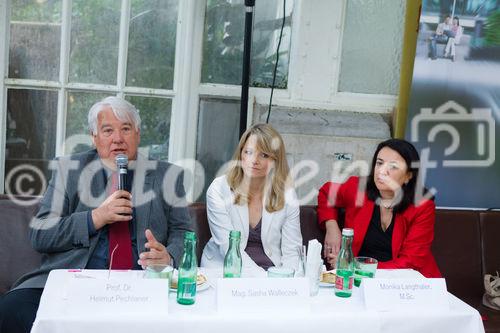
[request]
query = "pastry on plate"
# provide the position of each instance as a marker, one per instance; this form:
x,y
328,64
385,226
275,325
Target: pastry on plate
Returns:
x,y
328,277
200,279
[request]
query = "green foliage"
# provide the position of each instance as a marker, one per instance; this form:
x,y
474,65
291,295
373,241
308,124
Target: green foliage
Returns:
x,y
150,63
31,11
155,128
95,26
154,112
79,104
492,29
94,57
223,46
264,68
151,49
223,42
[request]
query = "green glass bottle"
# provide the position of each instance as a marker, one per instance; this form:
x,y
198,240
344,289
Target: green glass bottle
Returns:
x,y
232,260
188,269
345,265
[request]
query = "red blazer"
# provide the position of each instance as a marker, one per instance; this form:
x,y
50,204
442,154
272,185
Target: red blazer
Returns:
x,y
413,229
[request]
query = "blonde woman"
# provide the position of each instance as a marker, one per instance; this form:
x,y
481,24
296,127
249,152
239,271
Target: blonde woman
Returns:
x,y
255,196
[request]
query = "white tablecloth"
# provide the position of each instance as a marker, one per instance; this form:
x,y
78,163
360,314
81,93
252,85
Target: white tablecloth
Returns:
x,y
328,313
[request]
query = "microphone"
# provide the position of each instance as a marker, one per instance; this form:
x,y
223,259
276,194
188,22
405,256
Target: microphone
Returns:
x,y
122,166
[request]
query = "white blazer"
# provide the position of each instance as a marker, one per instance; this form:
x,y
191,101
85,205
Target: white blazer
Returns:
x,y
280,230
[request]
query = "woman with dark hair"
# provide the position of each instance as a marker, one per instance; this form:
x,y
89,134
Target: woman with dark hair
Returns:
x,y
392,222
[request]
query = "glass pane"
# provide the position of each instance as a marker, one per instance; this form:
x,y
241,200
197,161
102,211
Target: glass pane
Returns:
x,y
223,42
77,133
474,8
31,139
371,49
36,11
35,33
95,29
266,32
155,125
151,47
218,136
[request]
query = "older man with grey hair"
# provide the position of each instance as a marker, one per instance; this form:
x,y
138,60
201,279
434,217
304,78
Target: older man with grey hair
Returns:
x,y
85,222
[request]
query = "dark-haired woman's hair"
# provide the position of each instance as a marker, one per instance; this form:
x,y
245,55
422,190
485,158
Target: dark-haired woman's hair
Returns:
x,y
410,155
458,20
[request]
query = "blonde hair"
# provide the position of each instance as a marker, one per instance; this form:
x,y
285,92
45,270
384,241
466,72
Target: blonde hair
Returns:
x,y
269,141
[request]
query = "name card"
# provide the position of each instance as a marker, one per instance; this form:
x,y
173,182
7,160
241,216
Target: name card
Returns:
x,y
402,294
117,296
262,294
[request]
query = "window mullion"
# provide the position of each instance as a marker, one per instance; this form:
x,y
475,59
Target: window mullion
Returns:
x,y
296,54
123,47
4,58
149,92
186,79
90,87
32,84
63,76
183,126
340,31
51,85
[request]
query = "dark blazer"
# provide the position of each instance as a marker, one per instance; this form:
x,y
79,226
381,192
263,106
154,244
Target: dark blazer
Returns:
x,y
413,229
60,232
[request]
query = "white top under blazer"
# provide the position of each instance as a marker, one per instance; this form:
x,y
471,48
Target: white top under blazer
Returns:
x,y
280,230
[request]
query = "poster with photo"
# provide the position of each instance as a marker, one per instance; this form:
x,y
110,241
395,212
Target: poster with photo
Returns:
x,y
454,107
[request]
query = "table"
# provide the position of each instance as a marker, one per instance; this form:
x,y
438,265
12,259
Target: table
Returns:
x,y
328,313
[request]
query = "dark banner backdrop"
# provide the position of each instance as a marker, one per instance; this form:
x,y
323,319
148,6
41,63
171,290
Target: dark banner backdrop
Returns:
x,y
454,108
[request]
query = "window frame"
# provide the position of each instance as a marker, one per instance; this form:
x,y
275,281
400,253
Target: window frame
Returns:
x,y
63,86
305,90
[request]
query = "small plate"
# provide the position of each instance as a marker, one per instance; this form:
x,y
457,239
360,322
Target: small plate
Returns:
x,y
327,284
199,286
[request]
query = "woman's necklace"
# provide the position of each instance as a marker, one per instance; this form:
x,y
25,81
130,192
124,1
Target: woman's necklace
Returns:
x,y
387,204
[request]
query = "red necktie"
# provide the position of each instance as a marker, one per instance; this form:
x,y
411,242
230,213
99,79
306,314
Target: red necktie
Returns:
x,y
119,238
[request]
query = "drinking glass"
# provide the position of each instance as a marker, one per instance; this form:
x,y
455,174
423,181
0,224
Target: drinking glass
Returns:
x,y
280,272
301,269
159,272
364,267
